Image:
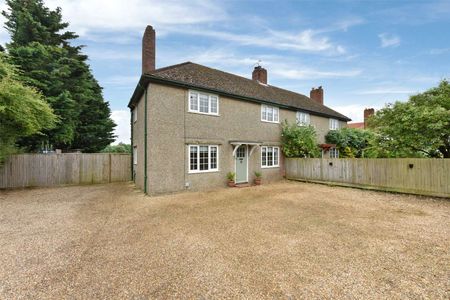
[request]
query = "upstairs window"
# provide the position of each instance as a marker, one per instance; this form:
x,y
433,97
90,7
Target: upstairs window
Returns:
x,y
203,103
334,124
303,118
269,113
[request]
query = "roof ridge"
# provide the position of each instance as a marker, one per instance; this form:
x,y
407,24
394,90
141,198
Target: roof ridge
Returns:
x,y
168,68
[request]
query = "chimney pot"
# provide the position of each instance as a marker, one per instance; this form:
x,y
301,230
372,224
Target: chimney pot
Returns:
x,y
260,74
148,50
368,112
316,94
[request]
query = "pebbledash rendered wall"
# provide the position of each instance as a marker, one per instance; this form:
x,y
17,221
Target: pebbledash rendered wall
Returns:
x,y
171,128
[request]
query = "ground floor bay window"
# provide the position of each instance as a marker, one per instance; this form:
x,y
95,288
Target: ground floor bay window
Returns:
x,y
203,158
270,157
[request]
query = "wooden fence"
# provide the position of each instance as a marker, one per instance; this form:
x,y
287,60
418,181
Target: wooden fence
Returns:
x,y
32,170
416,175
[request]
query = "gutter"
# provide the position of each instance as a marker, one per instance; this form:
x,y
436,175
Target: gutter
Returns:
x,y
146,78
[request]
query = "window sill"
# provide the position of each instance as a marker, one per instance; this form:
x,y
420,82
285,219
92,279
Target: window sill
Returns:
x,y
205,114
202,172
270,167
270,122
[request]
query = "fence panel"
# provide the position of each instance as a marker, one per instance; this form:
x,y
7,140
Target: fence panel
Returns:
x,y
34,170
421,176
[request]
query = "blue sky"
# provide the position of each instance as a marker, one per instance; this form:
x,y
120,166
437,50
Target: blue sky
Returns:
x,y
364,53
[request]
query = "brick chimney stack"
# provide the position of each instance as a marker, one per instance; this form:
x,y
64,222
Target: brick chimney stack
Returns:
x,y
317,94
367,113
260,74
148,50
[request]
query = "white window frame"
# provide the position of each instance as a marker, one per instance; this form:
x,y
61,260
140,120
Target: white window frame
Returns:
x,y
135,155
134,112
273,157
334,124
303,118
210,97
198,159
264,113
335,153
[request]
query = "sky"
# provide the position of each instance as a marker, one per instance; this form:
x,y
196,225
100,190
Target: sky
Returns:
x,y
363,53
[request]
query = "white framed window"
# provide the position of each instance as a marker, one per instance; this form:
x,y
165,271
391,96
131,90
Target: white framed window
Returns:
x,y
334,153
134,112
269,113
203,103
334,124
203,158
303,118
135,155
270,157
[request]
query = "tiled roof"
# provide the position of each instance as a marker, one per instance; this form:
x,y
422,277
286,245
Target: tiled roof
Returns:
x,y
356,125
199,76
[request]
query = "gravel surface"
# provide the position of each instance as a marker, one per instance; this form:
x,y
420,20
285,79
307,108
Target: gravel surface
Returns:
x,y
286,240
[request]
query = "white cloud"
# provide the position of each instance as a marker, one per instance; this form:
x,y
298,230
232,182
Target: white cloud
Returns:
x,y
307,40
386,91
98,15
281,66
122,119
4,36
304,73
354,111
389,40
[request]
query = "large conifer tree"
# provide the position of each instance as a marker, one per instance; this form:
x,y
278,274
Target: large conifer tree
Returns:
x,y
41,48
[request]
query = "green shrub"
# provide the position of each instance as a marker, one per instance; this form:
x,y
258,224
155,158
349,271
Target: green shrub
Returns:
x,y
299,141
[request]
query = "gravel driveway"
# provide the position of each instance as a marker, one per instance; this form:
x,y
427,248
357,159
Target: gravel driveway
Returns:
x,y
284,240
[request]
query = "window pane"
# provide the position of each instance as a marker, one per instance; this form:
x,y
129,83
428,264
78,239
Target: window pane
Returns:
x,y
193,101
263,156
203,158
269,156
275,156
269,113
275,114
193,158
214,104
213,156
135,155
264,112
204,103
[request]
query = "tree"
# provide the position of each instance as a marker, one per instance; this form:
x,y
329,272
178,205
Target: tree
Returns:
x,y
419,127
351,142
299,141
42,49
119,148
23,112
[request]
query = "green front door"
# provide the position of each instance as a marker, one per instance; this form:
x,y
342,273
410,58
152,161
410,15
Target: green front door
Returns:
x,y
241,164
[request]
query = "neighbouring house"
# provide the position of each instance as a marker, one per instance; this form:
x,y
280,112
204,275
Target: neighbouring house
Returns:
x,y
363,125
192,124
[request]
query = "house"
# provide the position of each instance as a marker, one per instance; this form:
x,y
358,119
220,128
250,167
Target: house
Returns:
x,y
192,124
362,125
